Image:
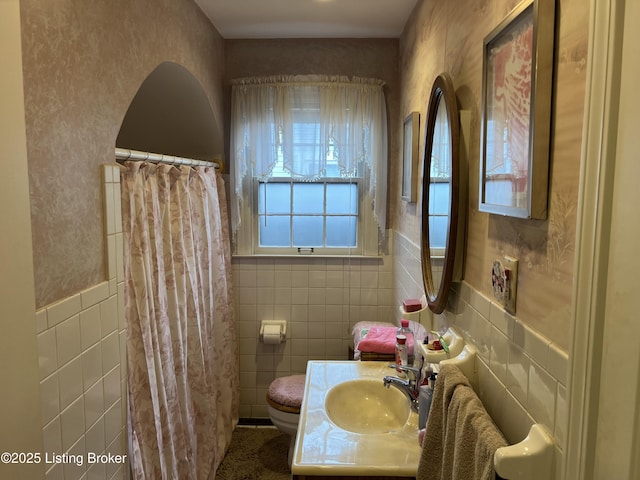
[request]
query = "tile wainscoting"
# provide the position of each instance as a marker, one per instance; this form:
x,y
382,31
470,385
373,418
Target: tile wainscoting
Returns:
x,y
320,298
522,376
82,359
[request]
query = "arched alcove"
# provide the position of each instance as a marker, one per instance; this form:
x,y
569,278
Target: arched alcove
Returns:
x,y
171,114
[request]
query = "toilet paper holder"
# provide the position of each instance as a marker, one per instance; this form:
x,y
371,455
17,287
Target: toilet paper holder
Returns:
x,y
270,326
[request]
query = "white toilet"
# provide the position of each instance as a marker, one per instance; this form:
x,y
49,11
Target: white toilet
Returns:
x,y
284,399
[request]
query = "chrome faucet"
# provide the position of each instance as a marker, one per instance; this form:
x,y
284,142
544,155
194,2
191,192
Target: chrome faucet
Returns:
x,y
410,387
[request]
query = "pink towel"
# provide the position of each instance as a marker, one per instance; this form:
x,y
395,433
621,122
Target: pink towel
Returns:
x,y
381,340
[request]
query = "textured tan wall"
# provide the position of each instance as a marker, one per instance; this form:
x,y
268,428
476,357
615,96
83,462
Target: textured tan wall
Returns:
x,y
83,64
448,36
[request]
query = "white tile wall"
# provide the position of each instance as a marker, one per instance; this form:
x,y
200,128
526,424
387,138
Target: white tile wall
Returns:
x,y
82,363
320,298
407,277
522,376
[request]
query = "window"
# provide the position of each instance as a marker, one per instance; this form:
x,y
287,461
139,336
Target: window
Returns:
x,y
440,188
439,200
309,172
308,215
504,181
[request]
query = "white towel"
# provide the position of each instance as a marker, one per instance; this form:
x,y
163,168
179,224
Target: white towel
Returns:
x,y
461,438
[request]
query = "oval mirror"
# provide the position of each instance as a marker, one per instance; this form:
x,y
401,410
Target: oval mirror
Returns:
x,y
441,188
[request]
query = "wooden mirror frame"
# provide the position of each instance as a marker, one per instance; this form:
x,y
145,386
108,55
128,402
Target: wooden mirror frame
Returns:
x,y
437,295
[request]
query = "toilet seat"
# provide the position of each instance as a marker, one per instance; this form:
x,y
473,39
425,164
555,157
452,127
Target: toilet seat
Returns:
x,y
284,399
283,408
285,393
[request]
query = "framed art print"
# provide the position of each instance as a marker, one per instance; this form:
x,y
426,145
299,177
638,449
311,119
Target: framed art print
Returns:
x,y
516,112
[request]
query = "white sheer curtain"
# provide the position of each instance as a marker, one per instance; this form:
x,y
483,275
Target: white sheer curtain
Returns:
x,y
181,337
302,120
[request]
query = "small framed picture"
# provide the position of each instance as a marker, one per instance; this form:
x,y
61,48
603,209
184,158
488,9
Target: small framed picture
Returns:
x,y
410,157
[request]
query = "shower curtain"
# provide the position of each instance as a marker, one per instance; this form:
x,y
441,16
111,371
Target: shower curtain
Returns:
x,y
182,349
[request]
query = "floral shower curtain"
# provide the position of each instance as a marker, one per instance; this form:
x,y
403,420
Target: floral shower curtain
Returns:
x,y
182,350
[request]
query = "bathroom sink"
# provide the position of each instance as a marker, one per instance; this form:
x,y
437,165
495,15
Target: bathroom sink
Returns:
x,y
366,406
352,426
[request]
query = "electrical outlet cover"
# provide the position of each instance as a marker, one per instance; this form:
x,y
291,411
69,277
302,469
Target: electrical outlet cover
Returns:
x,y
504,280
498,281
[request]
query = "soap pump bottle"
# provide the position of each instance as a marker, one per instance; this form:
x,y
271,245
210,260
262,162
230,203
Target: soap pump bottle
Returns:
x,y
424,400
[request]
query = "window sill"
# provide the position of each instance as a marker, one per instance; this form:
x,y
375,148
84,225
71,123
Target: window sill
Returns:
x,y
304,255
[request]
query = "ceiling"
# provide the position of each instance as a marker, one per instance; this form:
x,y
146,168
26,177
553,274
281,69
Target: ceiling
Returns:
x,y
236,19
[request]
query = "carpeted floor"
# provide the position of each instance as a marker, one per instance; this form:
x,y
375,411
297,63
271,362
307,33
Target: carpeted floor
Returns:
x,y
256,453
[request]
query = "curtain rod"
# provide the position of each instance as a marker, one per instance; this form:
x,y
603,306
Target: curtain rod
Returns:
x,y
126,154
322,80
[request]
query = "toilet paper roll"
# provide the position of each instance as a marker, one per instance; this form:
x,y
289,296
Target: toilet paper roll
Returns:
x,y
271,335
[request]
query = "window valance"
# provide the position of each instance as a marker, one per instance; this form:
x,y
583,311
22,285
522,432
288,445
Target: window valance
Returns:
x,y
303,125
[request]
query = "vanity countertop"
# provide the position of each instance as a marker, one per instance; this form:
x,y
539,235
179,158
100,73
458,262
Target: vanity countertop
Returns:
x,y
324,449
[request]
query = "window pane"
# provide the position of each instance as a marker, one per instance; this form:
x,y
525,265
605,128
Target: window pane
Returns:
x,y
438,231
500,192
342,231
439,198
307,214
277,198
332,170
307,134
342,198
308,231
275,231
308,198
307,149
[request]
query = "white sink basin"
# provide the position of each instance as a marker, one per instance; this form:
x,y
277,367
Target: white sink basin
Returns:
x,y
366,406
352,426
